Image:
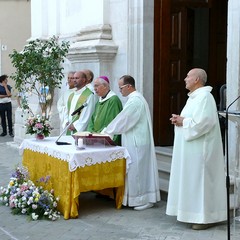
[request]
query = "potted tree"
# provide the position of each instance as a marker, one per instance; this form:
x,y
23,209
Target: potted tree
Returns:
x,y
39,71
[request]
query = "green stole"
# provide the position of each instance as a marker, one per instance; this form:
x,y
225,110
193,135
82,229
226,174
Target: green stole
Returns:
x,y
81,100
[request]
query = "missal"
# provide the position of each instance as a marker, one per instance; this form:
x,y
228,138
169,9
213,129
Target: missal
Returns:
x,y
94,138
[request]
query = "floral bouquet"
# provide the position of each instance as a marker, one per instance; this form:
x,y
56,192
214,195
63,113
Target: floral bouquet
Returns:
x,y
38,125
23,197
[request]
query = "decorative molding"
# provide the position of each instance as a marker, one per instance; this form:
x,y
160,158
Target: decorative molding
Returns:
x,y
95,32
93,43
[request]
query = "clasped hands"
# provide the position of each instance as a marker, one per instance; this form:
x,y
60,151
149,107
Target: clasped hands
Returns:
x,y
176,120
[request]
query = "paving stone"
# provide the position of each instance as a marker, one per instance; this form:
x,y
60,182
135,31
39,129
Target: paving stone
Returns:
x,y
98,218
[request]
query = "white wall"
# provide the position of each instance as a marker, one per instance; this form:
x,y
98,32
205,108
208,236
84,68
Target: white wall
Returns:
x,y
233,73
131,22
132,32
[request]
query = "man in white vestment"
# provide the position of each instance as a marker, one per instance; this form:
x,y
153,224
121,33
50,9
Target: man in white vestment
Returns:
x,y
80,96
62,101
197,188
135,125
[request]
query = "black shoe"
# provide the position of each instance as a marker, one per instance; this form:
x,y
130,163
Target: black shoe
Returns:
x,y
11,135
3,134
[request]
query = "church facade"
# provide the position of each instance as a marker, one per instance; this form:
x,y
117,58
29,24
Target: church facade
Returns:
x,y
155,41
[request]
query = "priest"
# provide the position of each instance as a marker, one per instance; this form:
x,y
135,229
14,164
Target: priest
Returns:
x,y
197,189
135,125
106,109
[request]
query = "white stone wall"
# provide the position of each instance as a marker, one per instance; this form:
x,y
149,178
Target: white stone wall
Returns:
x,y
132,32
233,73
126,49
233,91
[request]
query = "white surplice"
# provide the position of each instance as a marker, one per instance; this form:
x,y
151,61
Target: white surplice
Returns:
x,y
134,123
81,123
197,188
62,103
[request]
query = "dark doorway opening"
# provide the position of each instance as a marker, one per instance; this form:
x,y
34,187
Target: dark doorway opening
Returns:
x,y
187,34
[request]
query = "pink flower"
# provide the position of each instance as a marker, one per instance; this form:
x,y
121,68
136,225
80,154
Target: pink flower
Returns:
x,y
39,125
23,188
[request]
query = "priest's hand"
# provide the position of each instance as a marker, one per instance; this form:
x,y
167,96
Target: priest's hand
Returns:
x,y
176,120
71,127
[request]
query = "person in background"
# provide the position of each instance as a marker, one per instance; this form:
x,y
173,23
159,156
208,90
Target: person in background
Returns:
x,y
197,189
90,76
5,106
62,101
135,125
76,99
107,108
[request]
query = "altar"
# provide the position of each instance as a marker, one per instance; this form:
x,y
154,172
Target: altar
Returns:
x,y
73,171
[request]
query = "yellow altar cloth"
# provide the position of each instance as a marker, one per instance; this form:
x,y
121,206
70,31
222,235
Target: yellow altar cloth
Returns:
x,y
67,185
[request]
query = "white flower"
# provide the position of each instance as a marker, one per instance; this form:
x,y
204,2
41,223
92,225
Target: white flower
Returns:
x,y
24,210
22,193
34,206
30,201
24,198
34,216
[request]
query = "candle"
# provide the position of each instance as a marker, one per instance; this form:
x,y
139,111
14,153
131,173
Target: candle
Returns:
x,y
80,142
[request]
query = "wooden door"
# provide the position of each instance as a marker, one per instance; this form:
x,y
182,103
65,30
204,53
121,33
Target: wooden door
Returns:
x,y
176,52
171,62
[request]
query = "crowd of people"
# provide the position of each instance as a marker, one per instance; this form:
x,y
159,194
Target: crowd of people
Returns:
x,y
197,192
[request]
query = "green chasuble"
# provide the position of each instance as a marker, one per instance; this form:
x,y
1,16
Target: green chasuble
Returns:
x,y
104,113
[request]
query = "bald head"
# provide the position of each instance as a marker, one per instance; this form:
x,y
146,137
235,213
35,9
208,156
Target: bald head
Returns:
x,y
195,79
89,75
201,74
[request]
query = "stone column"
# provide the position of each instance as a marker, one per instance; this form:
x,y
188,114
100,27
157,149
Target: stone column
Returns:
x,y
233,91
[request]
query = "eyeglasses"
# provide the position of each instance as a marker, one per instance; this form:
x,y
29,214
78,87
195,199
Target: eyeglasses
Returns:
x,y
123,86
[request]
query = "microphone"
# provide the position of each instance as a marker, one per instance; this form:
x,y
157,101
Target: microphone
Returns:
x,y
232,104
79,109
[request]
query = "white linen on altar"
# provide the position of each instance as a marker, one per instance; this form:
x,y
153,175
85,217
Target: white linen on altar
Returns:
x,y
75,157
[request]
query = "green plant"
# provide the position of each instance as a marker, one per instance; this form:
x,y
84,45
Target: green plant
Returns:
x,y
39,70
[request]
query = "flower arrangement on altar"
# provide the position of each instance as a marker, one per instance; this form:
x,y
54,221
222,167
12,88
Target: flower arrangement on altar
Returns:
x,y
23,197
39,126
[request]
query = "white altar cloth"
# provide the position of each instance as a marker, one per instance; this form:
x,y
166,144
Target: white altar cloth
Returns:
x,y
76,158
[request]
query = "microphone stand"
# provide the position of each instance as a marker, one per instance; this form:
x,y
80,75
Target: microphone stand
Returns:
x,y
66,128
227,176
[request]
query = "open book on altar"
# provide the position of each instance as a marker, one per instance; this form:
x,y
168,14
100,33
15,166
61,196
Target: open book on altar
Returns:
x,y
94,138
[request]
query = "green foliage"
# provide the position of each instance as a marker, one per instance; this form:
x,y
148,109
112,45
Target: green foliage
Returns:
x,y
39,65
